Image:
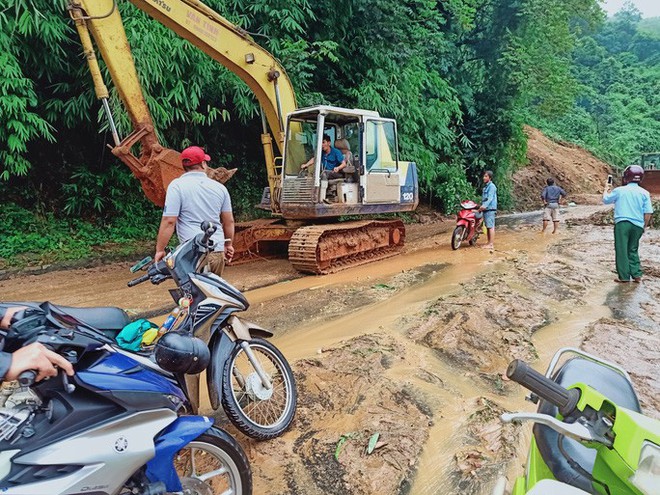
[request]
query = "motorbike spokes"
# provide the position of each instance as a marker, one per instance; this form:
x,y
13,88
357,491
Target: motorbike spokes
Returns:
x,y
259,393
202,472
262,405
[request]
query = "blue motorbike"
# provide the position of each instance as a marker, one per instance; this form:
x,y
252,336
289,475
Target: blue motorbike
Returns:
x,y
116,427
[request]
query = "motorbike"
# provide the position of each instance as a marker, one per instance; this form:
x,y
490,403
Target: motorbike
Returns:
x,y
468,226
247,375
590,436
114,428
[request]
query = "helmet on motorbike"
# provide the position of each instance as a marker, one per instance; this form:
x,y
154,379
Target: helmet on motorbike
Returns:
x,y
179,352
633,173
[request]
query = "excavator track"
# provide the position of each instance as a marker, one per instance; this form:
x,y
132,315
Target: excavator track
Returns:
x,y
323,249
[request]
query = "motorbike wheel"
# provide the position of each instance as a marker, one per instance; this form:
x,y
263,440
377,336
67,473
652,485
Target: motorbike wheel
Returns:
x,y
474,239
259,412
213,463
457,237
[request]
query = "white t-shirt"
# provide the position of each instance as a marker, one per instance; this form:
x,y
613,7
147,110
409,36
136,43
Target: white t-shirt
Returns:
x,y
194,198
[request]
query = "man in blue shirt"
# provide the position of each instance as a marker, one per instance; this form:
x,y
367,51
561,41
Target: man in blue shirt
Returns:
x,y
332,163
489,207
632,214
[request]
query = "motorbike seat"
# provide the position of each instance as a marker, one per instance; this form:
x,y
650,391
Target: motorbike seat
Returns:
x,y
108,319
606,381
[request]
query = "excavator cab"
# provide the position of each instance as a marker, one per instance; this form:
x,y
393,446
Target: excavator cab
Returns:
x,y
375,180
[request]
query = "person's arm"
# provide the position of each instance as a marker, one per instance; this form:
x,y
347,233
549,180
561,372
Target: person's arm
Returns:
x,y
33,357
168,221
308,163
610,197
165,231
647,219
341,166
544,195
227,221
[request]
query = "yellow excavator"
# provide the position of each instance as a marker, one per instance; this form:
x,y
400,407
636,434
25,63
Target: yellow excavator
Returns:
x,y
303,203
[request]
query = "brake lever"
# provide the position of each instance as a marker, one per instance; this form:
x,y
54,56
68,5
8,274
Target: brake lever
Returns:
x,y
576,431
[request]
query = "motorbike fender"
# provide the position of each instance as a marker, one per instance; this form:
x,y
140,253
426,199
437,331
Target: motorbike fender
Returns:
x,y
172,439
220,346
245,330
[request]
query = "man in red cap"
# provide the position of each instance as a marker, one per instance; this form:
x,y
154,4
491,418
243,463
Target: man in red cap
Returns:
x,y
192,199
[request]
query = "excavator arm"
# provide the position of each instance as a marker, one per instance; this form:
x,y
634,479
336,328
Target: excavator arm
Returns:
x,y
157,166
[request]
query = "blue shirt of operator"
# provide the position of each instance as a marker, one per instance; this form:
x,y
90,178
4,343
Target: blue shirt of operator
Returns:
x,y
332,159
631,202
489,197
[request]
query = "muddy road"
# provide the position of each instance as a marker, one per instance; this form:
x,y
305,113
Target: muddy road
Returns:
x,y
413,349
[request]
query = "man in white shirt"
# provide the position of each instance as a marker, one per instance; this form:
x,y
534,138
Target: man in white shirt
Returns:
x,y
192,199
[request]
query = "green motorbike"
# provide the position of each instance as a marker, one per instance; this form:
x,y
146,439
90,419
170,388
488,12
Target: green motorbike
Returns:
x,y
589,433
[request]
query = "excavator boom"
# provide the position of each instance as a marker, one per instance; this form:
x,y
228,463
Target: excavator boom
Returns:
x,y
157,166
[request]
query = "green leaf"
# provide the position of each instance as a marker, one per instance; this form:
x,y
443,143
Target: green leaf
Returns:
x,y
372,442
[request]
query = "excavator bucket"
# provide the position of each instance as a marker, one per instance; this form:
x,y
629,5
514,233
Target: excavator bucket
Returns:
x,y
162,168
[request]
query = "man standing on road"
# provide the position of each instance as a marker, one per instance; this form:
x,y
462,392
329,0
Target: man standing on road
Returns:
x,y
489,207
632,214
192,199
551,196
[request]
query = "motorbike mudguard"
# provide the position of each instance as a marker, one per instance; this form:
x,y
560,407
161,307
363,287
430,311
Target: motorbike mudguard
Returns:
x,y
220,346
172,439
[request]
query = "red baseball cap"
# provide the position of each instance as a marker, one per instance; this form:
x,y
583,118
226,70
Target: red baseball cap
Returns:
x,y
193,155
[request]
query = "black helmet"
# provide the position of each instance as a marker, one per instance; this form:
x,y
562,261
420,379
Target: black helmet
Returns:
x,y
180,352
633,173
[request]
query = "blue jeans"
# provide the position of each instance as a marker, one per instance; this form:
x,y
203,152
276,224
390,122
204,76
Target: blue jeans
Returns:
x,y
489,219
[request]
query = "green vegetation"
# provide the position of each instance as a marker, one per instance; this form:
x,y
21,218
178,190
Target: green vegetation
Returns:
x,y
460,76
617,69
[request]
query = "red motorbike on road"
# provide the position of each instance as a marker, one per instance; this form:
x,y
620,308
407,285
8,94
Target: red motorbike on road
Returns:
x,y
468,226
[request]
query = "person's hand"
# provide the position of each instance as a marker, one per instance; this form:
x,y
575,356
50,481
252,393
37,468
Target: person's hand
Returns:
x,y
36,357
304,166
159,256
229,253
9,314
481,208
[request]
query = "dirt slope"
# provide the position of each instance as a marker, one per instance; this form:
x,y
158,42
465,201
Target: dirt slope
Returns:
x,y
575,169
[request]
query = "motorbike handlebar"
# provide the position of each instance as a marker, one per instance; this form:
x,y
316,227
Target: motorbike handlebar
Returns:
x,y
565,399
27,378
209,229
138,280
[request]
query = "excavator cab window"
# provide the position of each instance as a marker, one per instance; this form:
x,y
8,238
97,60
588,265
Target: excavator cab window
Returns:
x,y
380,143
300,145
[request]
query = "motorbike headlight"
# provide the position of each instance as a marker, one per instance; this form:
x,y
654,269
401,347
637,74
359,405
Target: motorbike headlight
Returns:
x,y
647,477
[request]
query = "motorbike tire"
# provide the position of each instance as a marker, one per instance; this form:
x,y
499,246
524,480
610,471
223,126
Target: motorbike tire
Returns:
x,y
229,469
457,237
254,410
